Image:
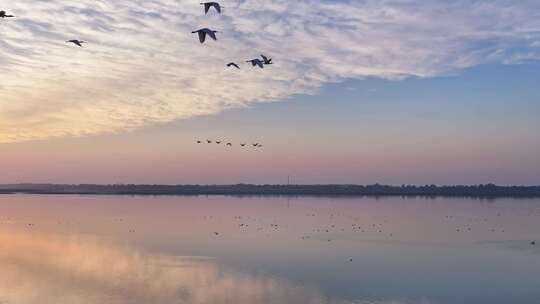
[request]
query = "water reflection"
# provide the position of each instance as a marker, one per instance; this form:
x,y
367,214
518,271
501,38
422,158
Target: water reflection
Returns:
x,y
122,249
38,268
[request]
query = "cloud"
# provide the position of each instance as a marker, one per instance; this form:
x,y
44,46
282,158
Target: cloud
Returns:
x,y
142,65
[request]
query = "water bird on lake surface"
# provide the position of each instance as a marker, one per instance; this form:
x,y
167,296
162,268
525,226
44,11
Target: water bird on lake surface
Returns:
x,y
76,42
256,62
266,60
3,14
208,5
232,64
205,31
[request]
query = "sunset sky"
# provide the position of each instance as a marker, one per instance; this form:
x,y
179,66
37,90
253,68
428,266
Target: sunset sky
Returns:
x,y
362,91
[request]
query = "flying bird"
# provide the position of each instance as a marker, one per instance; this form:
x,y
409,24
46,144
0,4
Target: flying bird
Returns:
x,y
256,62
256,145
208,5
243,145
198,141
209,141
76,42
205,31
229,144
218,142
4,15
232,64
266,60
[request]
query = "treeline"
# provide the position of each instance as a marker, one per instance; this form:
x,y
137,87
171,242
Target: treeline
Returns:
x,y
487,190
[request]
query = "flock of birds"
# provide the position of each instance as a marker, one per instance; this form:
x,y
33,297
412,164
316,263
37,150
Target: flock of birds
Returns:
x,y
202,33
325,226
229,144
326,231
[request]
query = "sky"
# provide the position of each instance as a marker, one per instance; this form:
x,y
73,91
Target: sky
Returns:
x,y
395,91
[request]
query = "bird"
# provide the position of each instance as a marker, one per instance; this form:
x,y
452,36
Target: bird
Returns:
x,y
4,15
533,243
209,141
205,31
208,5
266,60
76,42
229,144
255,145
256,62
198,141
232,64
243,145
218,142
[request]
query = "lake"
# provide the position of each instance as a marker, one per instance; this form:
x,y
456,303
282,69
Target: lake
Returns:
x,y
174,249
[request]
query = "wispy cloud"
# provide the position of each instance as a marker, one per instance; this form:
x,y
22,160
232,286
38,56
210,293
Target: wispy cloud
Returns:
x,y
143,66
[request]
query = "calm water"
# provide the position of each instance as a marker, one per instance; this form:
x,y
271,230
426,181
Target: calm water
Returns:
x,y
113,249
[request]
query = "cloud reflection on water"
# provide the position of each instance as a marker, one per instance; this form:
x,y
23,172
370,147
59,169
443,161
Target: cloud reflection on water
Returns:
x,y
43,269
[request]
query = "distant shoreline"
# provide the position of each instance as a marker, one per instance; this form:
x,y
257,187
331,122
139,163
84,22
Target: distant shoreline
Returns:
x,y
478,191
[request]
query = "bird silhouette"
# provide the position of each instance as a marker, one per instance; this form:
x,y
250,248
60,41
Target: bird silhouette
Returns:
x,y
533,243
76,42
232,64
256,62
4,15
198,141
243,145
255,145
205,31
266,60
229,144
209,141
218,142
208,5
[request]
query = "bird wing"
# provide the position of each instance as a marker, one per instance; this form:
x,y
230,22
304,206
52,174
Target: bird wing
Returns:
x,y
218,7
207,7
78,43
212,34
259,63
264,58
202,36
